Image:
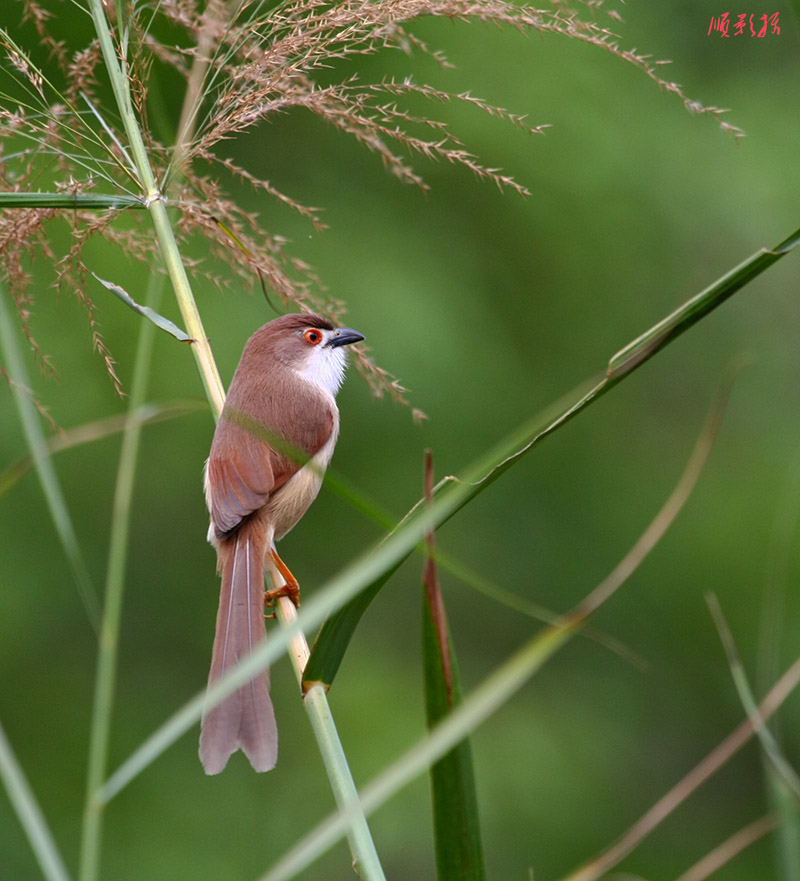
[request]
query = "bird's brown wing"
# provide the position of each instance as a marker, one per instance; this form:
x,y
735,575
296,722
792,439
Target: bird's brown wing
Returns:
x,y
239,476
244,468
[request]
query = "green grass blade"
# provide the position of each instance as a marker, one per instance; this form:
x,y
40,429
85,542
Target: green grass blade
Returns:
x,y
70,201
783,783
768,742
783,800
332,641
661,334
506,680
34,436
93,431
149,313
456,826
30,814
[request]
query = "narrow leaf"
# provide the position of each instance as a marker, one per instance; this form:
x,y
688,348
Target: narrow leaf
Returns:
x,y
30,814
34,436
507,679
70,200
769,744
697,307
457,833
92,431
783,783
158,320
337,631
456,824
533,432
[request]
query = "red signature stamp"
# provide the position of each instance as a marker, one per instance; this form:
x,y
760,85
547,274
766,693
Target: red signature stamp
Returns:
x,y
752,24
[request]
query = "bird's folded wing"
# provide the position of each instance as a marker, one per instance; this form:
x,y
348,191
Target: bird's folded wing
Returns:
x,y
244,469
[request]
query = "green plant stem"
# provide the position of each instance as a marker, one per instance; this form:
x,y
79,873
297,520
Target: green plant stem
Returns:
x,y
112,609
595,869
364,851
315,702
449,497
155,203
482,703
191,317
510,676
69,201
30,814
107,660
365,857
31,426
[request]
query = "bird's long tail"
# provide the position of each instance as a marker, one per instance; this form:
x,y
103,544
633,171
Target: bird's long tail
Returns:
x,y
245,719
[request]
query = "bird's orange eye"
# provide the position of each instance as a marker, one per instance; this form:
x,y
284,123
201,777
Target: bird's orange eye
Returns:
x,y
312,336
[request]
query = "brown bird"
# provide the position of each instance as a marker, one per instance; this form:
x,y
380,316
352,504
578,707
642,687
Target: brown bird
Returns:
x,y
274,440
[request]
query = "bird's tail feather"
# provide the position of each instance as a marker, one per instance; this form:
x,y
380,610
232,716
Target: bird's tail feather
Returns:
x,y
245,719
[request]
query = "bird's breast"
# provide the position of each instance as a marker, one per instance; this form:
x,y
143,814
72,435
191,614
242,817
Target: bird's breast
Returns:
x,y
291,501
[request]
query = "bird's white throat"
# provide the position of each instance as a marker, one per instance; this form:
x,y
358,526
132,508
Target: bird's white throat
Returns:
x,y
325,366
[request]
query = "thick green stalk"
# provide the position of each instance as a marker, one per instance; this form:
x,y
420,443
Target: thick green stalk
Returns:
x,y
365,857
315,702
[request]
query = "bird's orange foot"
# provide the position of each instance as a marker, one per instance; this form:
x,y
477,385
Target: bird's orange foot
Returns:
x,y
285,590
290,588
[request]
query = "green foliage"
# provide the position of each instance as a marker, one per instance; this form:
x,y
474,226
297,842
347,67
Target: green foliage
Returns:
x,y
459,852
490,306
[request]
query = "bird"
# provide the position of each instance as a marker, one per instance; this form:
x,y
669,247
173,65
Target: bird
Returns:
x,y
274,439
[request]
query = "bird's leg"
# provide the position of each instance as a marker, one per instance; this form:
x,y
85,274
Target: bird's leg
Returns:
x,y
290,588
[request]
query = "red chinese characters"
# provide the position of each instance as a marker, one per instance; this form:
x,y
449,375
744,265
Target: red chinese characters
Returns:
x,y
751,23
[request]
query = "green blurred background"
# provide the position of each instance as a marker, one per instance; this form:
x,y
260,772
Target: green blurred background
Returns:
x,y
489,307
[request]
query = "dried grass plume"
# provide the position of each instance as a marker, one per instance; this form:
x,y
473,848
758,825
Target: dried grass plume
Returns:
x,y
243,64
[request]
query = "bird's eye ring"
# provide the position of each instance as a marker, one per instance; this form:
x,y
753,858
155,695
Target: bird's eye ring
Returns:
x,y
312,336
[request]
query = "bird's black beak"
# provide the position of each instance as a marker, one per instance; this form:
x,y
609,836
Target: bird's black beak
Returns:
x,y
344,336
